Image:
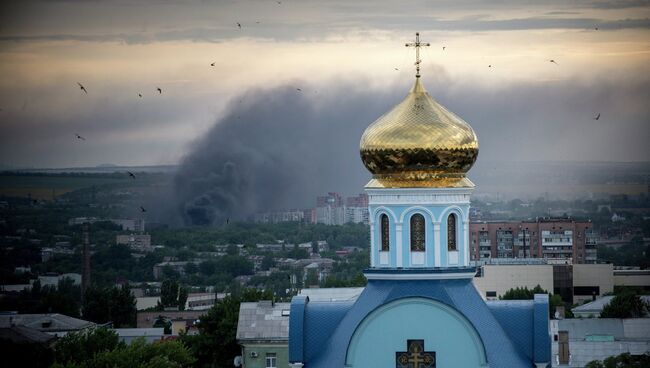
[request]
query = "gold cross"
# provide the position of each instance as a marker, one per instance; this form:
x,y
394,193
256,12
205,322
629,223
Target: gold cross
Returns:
x,y
417,44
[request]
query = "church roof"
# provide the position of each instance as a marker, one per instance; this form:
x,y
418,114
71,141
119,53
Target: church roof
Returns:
x,y
513,334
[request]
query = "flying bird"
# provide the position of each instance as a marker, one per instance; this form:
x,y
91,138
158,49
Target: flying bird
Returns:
x,y
596,28
597,117
82,87
239,25
212,64
279,2
140,95
489,66
553,61
443,48
80,137
159,90
131,174
142,209
298,89
396,69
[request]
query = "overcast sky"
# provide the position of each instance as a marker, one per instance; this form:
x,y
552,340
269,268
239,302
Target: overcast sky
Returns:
x,y
523,107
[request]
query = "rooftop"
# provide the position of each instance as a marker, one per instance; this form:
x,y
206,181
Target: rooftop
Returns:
x,y
263,320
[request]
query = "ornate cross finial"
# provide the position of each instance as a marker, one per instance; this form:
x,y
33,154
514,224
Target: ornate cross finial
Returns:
x,y
417,44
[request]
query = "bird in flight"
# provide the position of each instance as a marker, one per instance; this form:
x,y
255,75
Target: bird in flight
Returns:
x,y
140,95
82,87
553,61
159,90
131,174
396,69
212,64
443,48
142,209
489,66
239,25
298,89
279,2
596,28
80,137
597,117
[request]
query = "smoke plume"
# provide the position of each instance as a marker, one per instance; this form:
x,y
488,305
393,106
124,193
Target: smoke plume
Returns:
x,y
276,149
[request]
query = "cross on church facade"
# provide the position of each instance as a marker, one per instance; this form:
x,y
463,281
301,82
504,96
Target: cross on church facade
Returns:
x,y
415,357
417,44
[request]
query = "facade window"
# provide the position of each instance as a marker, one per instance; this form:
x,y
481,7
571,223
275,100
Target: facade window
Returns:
x,y
451,232
271,360
385,233
417,233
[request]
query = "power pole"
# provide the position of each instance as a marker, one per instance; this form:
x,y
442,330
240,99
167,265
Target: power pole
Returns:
x,y
85,259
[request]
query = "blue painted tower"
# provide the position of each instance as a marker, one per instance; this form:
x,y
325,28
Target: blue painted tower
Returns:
x,y
420,308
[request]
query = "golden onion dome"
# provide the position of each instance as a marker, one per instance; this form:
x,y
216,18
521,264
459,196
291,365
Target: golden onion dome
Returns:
x,y
419,143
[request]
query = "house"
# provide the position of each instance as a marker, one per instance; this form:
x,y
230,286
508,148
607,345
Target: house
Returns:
x,y
263,333
50,323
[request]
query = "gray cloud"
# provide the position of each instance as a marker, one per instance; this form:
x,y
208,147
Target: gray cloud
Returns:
x,y
144,22
388,22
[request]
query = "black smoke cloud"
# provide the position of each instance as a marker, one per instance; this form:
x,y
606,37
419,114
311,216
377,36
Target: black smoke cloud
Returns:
x,y
279,148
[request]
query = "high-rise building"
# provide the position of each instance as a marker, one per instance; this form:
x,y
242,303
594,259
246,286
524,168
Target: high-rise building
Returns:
x,y
559,239
330,209
356,209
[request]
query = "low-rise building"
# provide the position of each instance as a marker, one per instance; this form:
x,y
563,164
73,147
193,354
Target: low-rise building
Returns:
x,y
632,278
574,283
128,335
136,242
51,323
263,333
594,308
576,341
176,266
181,321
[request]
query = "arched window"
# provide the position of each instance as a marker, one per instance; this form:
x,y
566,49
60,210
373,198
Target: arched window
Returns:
x,y
417,233
451,232
385,233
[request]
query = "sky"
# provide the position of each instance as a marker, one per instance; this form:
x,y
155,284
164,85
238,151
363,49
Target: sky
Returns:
x,y
347,58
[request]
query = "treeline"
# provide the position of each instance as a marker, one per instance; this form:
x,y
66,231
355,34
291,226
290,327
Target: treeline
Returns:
x,y
203,238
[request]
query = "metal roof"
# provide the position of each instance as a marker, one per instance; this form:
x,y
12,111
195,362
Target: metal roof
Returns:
x,y
263,321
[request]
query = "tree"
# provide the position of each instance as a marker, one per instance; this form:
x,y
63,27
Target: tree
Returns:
x,y
267,262
97,349
78,347
625,305
216,344
172,294
524,293
625,360
117,305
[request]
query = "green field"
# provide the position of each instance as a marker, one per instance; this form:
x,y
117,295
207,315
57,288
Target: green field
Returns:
x,y
41,186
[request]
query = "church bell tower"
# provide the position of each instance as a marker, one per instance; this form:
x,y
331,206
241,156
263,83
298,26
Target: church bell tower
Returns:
x,y
419,153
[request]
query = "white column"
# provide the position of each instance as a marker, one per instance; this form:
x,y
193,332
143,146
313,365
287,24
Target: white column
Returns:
x,y
466,241
436,243
373,251
398,240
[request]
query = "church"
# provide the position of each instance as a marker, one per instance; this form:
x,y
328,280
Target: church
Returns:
x,y
419,308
